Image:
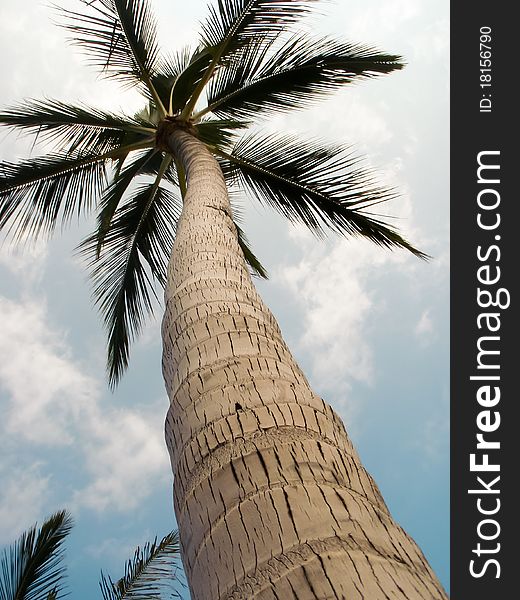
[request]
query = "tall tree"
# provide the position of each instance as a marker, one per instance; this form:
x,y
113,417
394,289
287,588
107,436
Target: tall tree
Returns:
x,y
270,496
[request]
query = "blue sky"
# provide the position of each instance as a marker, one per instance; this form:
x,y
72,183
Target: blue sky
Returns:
x,y
369,327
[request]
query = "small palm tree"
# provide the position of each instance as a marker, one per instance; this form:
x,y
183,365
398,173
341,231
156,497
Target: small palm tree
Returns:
x,y
32,568
269,493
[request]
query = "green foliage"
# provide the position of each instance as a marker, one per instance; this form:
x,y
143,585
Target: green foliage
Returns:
x,y
32,568
321,187
77,128
118,36
37,193
150,574
256,266
232,24
135,248
259,81
250,62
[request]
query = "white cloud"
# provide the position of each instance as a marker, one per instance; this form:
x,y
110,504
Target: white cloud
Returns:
x,y
22,497
112,549
49,401
125,456
46,389
433,42
372,21
26,260
364,125
331,286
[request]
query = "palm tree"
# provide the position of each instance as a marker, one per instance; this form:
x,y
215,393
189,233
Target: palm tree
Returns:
x,y
270,496
32,568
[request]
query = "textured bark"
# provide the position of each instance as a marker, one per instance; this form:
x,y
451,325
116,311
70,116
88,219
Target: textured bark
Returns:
x,y
271,499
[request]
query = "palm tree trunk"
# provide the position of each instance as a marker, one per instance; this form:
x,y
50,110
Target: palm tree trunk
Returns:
x,y
271,499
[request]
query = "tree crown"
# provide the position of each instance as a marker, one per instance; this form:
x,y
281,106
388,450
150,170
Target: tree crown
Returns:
x,y
250,62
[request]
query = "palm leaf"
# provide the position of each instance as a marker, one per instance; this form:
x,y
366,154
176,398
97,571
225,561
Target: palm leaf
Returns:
x,y
219,133
321,187
135,250
294,76
178,75
119,37
255,265
151,573
168,71
153,166
233,24
31,568
114,193
76,128
36,194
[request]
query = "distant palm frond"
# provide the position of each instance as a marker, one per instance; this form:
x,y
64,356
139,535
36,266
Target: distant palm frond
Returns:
x,y
31,568
151,573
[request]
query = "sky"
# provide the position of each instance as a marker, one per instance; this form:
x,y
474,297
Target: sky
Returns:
x,y
369,327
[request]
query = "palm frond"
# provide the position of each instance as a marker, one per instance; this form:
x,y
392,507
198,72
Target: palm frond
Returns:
x,y
169,68
134,252
295,75
233,23
321,187
178,76
238,69
153,166
255,265
76,128
119,37
151,573
219,133
114,193
36,194
31,568
171,65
